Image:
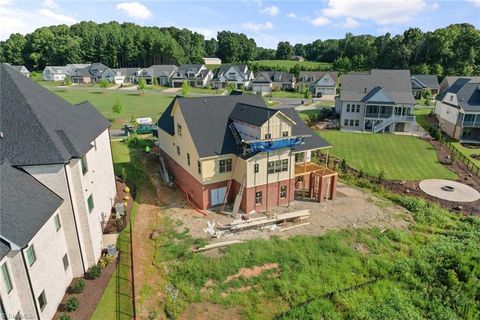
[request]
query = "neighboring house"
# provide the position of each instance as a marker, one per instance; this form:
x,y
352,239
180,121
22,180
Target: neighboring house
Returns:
x,y
239,75
54,73
298,58
81,76
320,83
458,110
212,60
423,82
120,76
92,73
74,66
448,81
22,69
376,101
268,81
196,74
233,149
163,74
57,191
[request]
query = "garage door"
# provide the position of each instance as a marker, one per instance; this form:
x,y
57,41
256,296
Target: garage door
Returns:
x,y
217,195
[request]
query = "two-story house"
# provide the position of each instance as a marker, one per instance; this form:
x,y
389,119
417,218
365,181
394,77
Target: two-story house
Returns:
x,y
239,75
57,191
120,76
162,73
233,149
197,75
376,101
458,110
91,73
268,81
320,83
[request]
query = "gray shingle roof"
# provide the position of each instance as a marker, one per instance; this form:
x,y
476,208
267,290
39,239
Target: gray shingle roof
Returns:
x,y
424,81
39,127
26,205
208,119
251,114
396,84
467,92
313,76
242,70
4,249
274,76
127,72
448,81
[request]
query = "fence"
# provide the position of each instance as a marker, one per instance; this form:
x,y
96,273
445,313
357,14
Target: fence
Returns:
x,y
462,157
125,307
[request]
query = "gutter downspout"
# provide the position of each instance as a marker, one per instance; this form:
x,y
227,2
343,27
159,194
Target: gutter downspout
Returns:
x,y
30,283
74,220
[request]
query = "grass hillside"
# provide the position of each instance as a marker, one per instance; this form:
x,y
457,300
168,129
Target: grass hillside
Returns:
x,y
287,64
400,157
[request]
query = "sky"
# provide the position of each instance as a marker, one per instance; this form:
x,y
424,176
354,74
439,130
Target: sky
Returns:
x,y
268,22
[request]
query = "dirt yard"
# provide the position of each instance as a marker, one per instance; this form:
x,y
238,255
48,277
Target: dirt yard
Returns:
x,y
353,208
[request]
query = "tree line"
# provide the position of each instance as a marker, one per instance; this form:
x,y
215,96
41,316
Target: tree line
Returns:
x,y
454,49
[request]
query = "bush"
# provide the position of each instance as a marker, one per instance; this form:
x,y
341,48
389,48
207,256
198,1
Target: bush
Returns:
x,y
105,260
64,316
72,304
94,272
78,286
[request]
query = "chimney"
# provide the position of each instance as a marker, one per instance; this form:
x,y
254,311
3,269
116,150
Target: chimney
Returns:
x,y
365,90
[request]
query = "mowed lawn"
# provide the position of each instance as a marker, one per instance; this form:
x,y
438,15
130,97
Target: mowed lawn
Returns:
x,y
133,103
310,65
400,157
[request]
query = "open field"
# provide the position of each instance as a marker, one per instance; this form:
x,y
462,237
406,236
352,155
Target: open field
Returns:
x,y
468,152
423,269
287,64
134,104
400,157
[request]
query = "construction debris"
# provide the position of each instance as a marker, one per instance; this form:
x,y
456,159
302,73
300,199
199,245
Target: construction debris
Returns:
x,y
294,226
217,245
259,223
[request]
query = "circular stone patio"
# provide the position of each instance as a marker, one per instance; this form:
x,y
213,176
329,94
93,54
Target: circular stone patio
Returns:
x,y
449,190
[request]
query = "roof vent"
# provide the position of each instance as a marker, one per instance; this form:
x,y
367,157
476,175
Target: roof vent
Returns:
x,y
204,100
1,135
365,90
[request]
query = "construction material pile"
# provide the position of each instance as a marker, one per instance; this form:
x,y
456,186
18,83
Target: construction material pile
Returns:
x,y
278,222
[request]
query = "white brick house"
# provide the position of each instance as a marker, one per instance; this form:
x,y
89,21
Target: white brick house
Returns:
x,y
57,190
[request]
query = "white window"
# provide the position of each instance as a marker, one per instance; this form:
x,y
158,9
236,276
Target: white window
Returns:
x,y
348,107
65,262
6,278
225,165
345,122
351,123
31,255
258,198
283,192
57,222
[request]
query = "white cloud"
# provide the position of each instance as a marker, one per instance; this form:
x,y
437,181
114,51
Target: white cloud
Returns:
x,y
291,15
350,23
206,32
135,10
475,2
319,21
56,18
271,11
14,20
50,4
381,11
435,6
257,26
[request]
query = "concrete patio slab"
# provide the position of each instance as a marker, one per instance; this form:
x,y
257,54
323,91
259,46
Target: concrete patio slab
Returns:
x,y
449,190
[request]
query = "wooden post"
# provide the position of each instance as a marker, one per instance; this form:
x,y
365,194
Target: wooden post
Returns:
x,y
304,174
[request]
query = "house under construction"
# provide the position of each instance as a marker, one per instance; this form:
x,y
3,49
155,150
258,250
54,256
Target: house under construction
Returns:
x,y
235,150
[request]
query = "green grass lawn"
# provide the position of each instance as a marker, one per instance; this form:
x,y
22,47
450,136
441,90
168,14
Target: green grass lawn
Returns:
x,y
400,157
133,103
287,64
287,94
467,152
421,115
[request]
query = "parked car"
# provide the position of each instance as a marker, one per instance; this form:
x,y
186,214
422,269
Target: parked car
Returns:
x,y
141,129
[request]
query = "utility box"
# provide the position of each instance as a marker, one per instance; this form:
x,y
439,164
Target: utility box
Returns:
x,y
119,210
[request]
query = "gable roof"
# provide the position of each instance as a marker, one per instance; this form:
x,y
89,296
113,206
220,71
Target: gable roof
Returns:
x,y
467,92
316,75
274,76
126,72
252,114
56,69
241,69
448,81
38,127
395,83
159,70
208,118
378,95
425,81
26,205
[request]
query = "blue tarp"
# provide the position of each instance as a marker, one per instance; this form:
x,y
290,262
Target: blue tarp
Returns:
x,y
275,145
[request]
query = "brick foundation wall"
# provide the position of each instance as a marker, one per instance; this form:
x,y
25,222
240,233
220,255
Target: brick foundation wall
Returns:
x,y
270,196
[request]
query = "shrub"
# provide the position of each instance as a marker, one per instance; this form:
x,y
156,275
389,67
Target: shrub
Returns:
x,y
64,316
78,286
72,304
94,272
105,260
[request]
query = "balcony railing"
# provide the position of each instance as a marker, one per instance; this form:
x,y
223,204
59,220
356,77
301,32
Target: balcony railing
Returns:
x,y
471,123
378,115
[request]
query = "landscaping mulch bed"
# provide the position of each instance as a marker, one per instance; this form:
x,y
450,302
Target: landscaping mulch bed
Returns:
x,y
90,296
